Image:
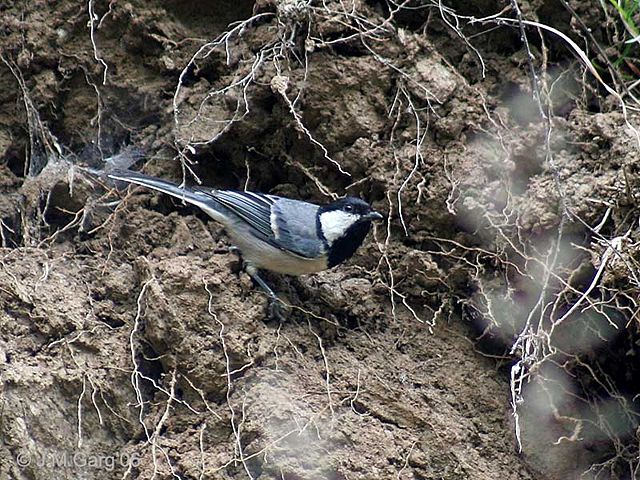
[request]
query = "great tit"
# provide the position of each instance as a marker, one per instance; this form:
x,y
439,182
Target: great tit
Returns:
x,y
275,233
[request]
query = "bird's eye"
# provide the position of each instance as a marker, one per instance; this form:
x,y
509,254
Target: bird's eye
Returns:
x,y
348,208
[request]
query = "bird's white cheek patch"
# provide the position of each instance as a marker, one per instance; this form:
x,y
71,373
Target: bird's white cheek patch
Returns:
x,y
336,223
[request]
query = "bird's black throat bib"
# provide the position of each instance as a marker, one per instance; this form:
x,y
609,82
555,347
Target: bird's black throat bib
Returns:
x,y
344,247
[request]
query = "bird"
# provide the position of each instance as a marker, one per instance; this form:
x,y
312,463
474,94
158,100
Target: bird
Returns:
x,y
278,234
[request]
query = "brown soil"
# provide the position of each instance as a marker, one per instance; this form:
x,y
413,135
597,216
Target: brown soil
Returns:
x,y
132,345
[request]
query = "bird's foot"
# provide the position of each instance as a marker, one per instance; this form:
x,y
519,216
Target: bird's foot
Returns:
x,y
278,310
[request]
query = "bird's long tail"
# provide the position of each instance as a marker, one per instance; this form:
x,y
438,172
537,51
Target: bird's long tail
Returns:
x,y
186,194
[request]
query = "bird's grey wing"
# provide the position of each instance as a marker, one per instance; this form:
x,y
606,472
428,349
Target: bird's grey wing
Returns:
x,y
294,225
286,224
253,208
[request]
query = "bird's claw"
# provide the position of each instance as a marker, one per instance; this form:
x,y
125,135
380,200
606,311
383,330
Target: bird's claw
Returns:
x,y
278,310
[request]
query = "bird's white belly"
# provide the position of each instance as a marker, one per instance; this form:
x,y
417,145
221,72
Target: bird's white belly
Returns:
x,y
265,256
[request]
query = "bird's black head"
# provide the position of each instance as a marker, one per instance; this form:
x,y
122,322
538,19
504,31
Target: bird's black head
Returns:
x,y
343,225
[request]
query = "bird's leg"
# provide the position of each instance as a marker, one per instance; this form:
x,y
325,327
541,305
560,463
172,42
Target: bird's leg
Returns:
x,y
253,273
276,306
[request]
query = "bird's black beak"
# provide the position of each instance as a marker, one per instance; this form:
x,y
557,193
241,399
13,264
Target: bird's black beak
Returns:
x,y
373,215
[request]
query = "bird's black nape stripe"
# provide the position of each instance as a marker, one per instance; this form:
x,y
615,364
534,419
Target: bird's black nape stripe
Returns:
x,y
344,247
